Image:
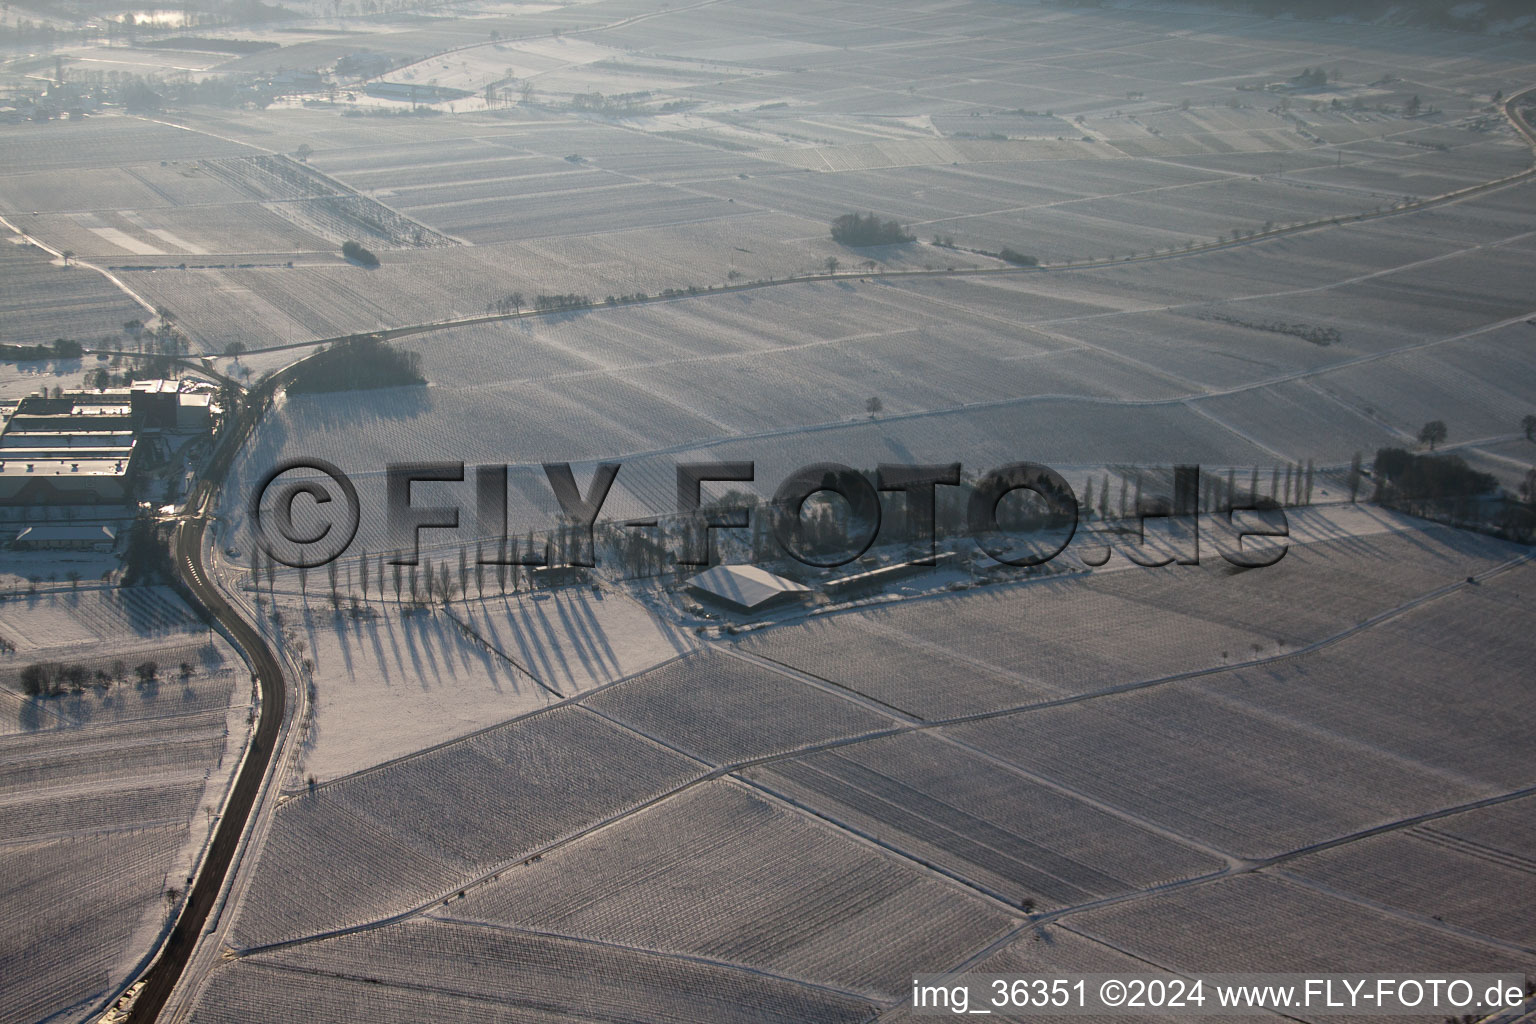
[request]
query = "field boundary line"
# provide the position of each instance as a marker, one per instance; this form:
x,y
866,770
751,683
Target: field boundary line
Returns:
x,y
515,719
975,887
471,634
1260,864
1297,652
585,940
1402,914
490,1000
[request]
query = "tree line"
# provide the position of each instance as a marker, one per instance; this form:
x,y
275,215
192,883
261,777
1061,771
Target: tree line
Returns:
x,y
52,678
59,348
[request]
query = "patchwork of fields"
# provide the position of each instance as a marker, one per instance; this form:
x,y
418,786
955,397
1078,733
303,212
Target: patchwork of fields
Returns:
x,y
1149,364
1139,238
835,824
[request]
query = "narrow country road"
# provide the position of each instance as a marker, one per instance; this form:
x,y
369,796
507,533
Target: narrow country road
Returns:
x,y
165,971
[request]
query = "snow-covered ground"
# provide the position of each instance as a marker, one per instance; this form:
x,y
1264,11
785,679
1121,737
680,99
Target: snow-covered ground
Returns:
x,y
109,792
390,680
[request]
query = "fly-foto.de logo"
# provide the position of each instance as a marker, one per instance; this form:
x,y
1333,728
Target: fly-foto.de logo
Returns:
x,y
306,513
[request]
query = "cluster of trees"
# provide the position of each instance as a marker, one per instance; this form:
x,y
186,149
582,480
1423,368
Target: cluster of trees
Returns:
x,y
507,304
1311,78
1402,474
165,340
358,363
355,252
510,565
391,112
152,92
1323,336
1289,484
147,556
204,44
1007,255
854,229
569,300
25,30
157,350
59,348
102,377
48,678
623,103
1017,258
51,678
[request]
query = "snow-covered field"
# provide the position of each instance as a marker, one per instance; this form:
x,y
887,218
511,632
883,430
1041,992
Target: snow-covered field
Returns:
x,y
594,802
391,680
108,793
1169,764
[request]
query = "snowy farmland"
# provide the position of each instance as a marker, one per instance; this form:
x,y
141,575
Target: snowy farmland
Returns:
x,y
385,684
774,816
40,301
1140,237
1170,361
108,792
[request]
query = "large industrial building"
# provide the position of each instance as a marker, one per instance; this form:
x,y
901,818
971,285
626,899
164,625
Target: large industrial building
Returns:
x,y
86,447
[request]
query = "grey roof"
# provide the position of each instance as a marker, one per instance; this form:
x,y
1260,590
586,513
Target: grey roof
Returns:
x,y
746,586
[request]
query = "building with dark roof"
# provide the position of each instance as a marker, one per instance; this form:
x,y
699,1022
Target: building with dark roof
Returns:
x,y
83,447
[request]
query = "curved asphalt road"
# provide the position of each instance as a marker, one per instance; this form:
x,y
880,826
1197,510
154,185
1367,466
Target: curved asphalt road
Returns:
x,y
162,975
165,970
